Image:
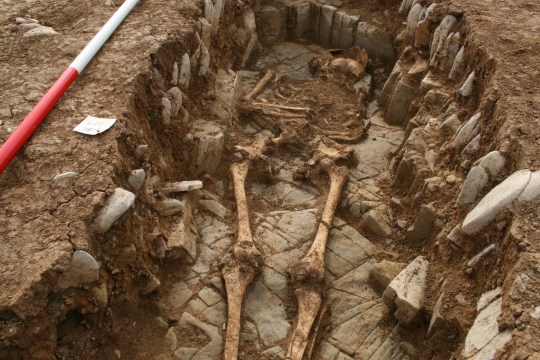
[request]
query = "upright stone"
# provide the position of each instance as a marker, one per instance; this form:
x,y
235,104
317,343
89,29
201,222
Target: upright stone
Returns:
x,y
497,199
272,23
325,26
476,180
398,106
118,203
347,31
336,28
301,28
375,41
407,291
207,147
83,269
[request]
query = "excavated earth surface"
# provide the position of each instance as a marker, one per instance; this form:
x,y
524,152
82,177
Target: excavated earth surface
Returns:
x,y
434,250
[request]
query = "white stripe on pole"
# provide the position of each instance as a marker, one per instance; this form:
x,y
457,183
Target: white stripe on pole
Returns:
x,y
103,35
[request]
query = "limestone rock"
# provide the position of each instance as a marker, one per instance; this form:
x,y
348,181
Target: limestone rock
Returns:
x,y
100,294
251,26
336,26
436,98
181,186
180,293
488,297
171,341
268,314
484,329
413,18
389,85
407,291
347,31
467,132
166,111
385,271
468,86
66,175
272,25
405,6
301,27
439,37
476,180
208,140
218,11
476,259
141,151
214,207
170,207
364,84
136,179
452,51
176,100
398,105
328,351
204,62
434,13
497,199
437,319
185,353
22,20
532,190
325,25
205,29
498,342
492,163
473,146
429,83
83,269
418,70
174,79
208,10
459,65
451,124
118,204
375,41
185,72
40,30
274,353
424,224
377,223
180,240
431,158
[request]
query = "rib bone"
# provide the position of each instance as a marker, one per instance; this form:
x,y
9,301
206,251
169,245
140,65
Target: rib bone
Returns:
x,y
308,273
240,267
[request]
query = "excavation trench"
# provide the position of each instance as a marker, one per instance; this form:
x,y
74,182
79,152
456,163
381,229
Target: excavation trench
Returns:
x,y
300,113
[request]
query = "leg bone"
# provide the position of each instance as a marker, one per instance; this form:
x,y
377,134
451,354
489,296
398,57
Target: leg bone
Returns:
x,y
308,273
241,266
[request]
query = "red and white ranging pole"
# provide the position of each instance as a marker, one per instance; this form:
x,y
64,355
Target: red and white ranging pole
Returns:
x,y
18,138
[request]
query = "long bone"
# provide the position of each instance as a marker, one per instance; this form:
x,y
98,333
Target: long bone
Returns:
x,y
308,273
268,76
243,264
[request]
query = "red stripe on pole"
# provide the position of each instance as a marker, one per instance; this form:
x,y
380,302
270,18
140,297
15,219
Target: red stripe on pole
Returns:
x,y
15,142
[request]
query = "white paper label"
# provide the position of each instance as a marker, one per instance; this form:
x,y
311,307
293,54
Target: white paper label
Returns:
x,y
93,125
